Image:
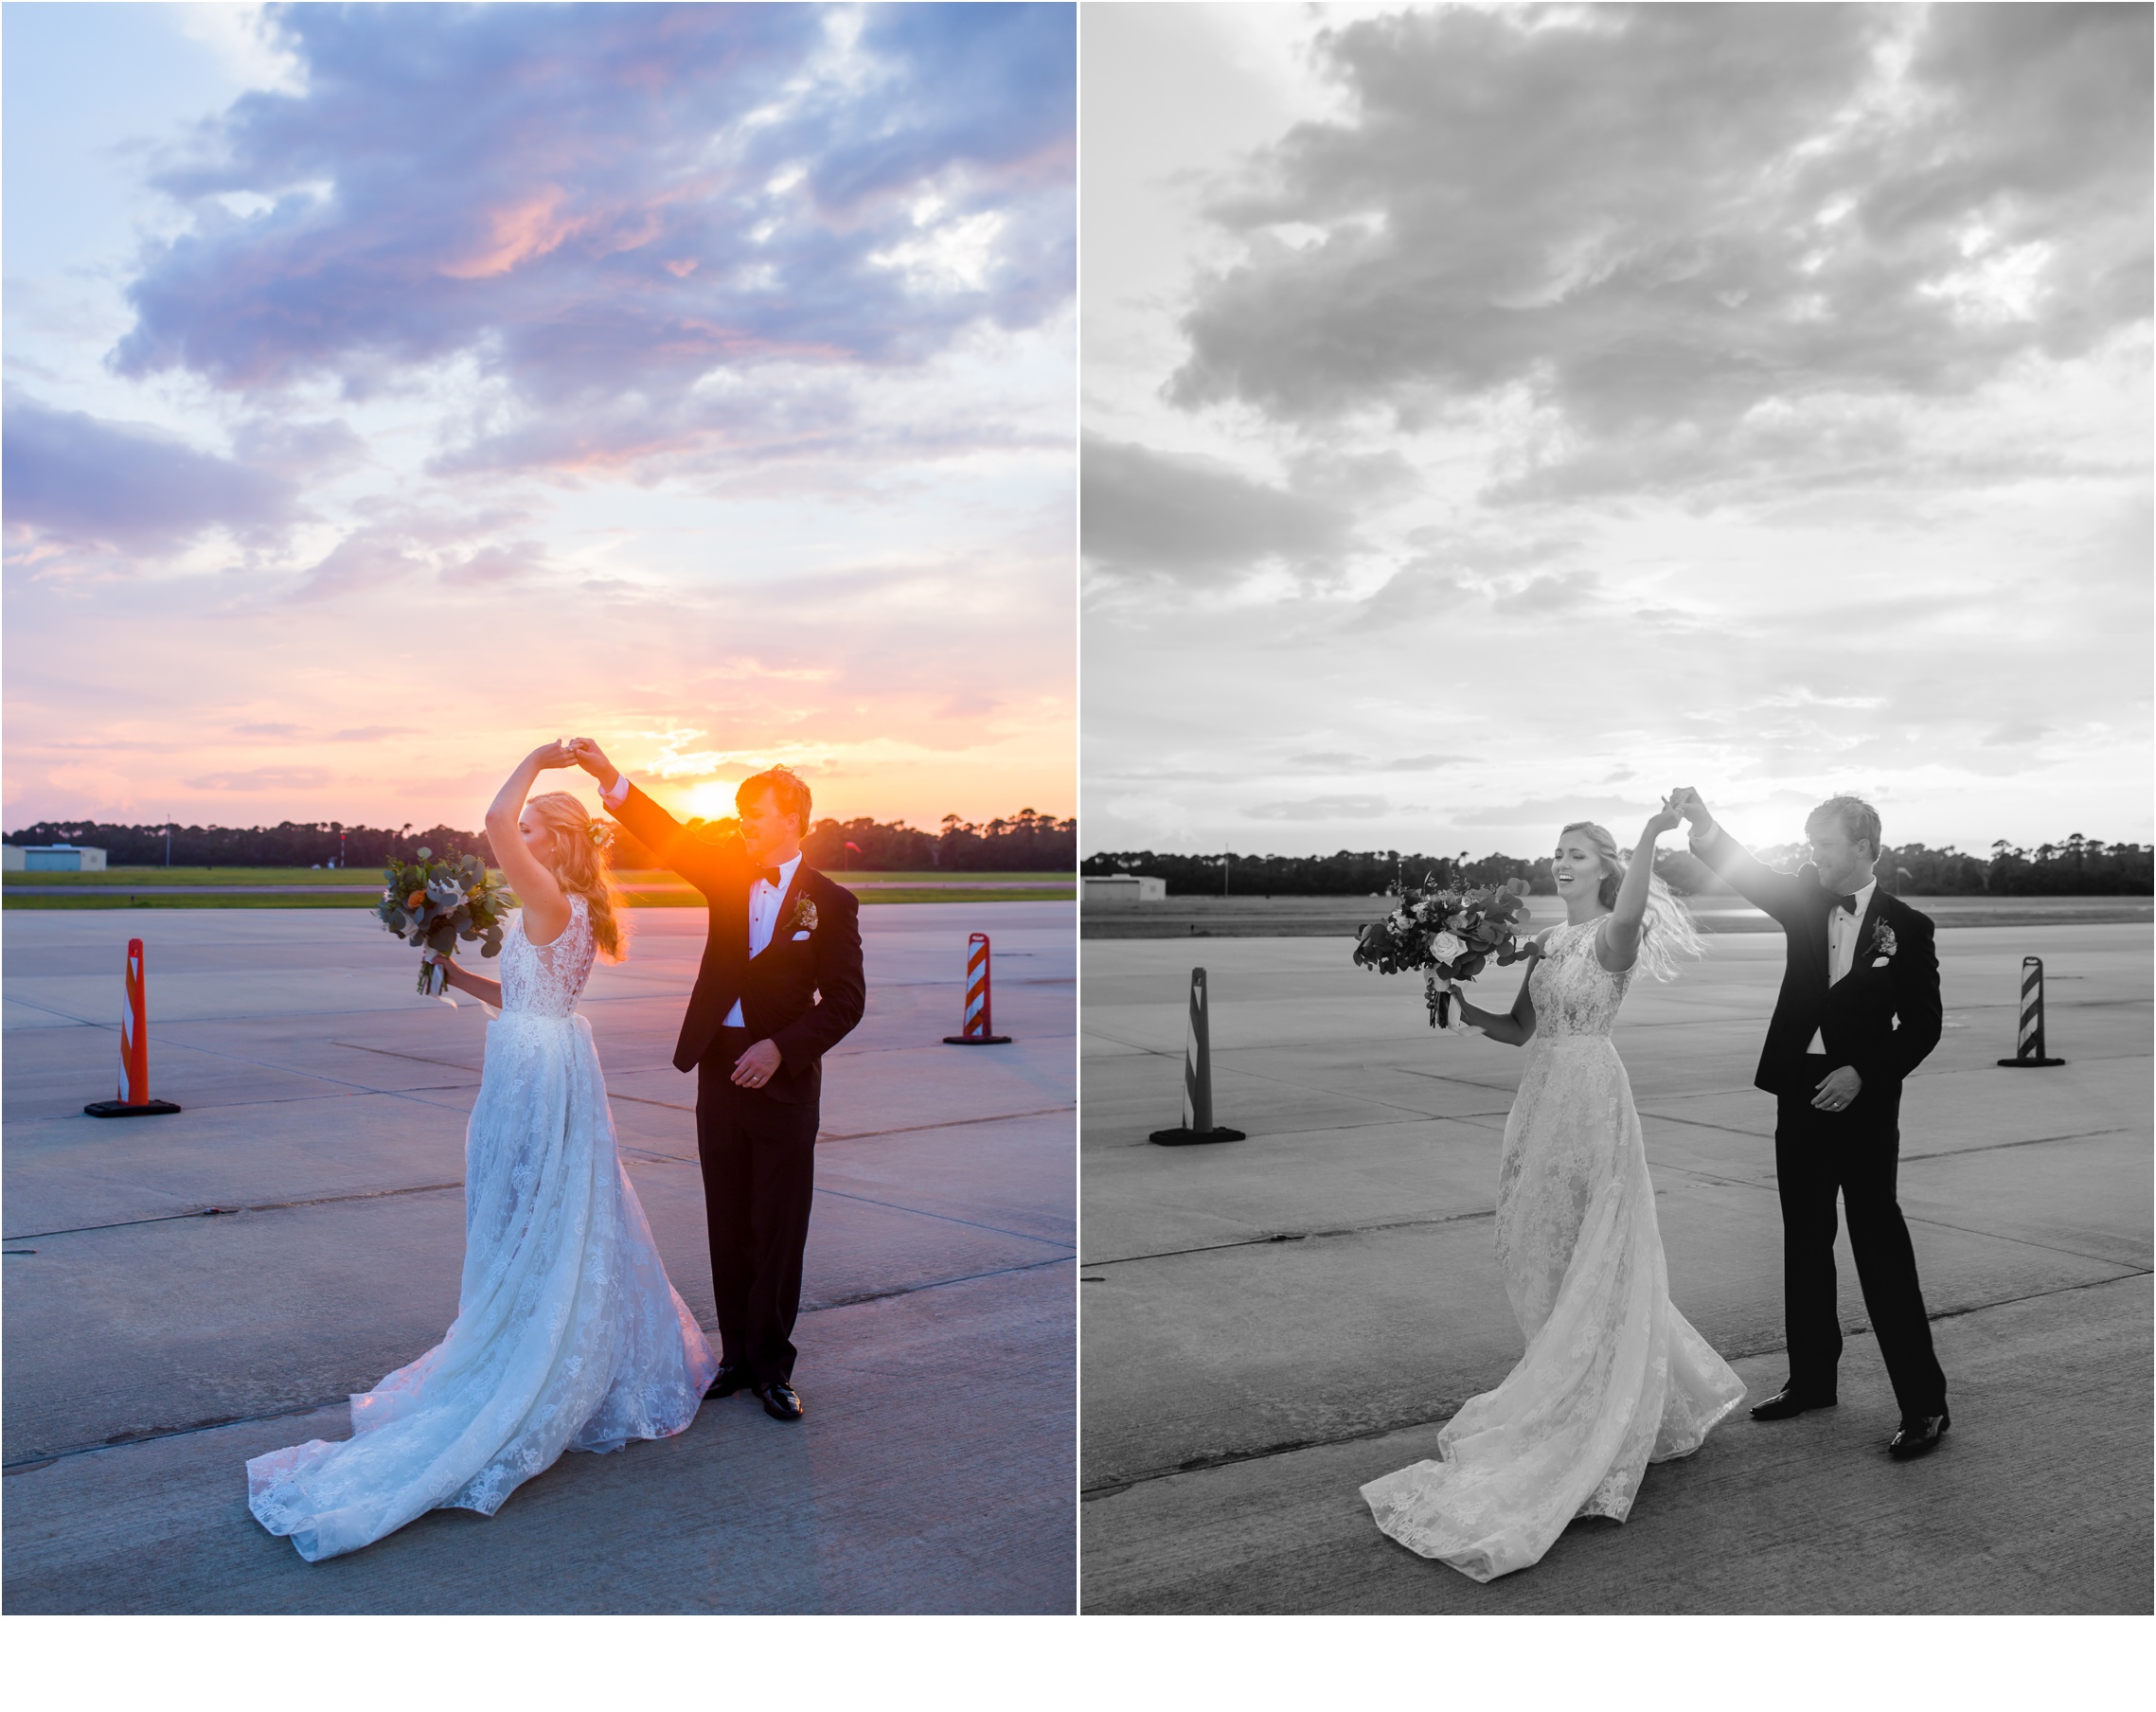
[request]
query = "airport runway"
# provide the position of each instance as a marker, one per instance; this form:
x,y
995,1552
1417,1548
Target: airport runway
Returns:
x,y
153,1345
1269,1324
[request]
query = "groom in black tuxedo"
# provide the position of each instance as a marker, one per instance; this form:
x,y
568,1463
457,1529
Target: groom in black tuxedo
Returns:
x,y
1859,1010
780,985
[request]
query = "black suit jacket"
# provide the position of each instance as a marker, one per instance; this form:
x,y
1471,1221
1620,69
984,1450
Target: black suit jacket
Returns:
x,y
1882,1018
804,995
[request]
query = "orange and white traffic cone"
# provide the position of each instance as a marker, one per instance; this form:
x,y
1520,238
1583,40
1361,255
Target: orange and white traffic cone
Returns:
x,y
134,1100
977,1027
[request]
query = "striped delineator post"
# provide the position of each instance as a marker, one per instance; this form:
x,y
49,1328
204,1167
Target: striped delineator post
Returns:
x,y
977,1028
1197,1077
2028,1037
133,1099
1198,1061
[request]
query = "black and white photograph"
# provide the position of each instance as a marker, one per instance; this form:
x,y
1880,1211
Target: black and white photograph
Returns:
x,y
1616,810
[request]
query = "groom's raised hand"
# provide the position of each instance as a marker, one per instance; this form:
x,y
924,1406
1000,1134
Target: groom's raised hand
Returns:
x,y
592,758
1686,801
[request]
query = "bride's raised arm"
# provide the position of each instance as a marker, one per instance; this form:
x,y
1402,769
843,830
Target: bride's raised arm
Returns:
x,y
1617,944
546,906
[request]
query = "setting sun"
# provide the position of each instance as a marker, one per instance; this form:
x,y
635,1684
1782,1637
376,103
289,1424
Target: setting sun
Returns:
x,y
713,799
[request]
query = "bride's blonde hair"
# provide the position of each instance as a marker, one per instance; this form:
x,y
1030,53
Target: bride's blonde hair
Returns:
x,y
580,865
1666,933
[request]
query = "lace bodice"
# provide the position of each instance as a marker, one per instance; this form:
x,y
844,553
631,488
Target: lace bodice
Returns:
x,y
1574,995
546,980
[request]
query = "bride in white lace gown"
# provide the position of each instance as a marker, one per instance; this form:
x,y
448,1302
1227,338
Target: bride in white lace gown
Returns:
x,y
567,1334
1613,1377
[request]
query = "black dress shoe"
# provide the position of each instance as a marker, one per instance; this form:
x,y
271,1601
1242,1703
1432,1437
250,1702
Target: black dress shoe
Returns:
x,y
727,1380
1919,1434
1788,1401
781,1401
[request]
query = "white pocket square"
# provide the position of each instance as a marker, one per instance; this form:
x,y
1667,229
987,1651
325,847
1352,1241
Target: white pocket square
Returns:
x,y
801,936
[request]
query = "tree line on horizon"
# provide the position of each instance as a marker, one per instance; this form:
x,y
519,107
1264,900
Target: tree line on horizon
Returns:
x,y
1026,842
2078,864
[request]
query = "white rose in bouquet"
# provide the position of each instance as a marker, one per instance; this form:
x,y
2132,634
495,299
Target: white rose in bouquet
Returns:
x,y
1444,947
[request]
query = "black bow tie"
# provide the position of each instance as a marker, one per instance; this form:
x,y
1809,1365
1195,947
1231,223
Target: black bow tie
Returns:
x,y
769,876
1848,902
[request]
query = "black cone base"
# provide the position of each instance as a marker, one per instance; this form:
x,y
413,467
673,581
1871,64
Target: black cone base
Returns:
x,y
120,1108
2029,1064
1179,1137
976,1040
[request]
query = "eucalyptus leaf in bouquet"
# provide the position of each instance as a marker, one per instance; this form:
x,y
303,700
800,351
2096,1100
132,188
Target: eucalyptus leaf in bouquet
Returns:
x,y
435,901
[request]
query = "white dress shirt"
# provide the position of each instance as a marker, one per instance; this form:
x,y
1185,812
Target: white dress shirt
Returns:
x,y
764,898
1842,931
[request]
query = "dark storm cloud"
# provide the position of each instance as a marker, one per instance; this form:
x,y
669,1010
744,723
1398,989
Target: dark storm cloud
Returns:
x,y
70,474
602,206
1657,219
1145,514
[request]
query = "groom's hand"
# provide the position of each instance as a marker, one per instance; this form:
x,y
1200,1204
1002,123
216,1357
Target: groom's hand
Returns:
x,y
1838,1089
1686,801
592,758
756,1066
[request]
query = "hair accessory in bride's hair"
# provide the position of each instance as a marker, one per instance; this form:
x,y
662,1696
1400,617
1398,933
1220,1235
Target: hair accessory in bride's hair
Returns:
x,y
601,833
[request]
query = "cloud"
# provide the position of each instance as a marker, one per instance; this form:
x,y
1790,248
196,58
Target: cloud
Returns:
x,y
1148,514
1335,761
124,485
601,207
367,559
1555,812
1647,225
1352,806
492,568
257,780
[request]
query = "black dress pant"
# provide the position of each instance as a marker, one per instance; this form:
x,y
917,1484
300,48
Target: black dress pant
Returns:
x,y
759,1165
1854,1154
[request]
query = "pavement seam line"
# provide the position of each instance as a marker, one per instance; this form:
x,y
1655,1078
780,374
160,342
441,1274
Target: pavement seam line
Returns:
x,y
1968,1230
424,1188
166,1041
126,1441
824,1135
262,1206
1204,1465
949,1218
1346,1230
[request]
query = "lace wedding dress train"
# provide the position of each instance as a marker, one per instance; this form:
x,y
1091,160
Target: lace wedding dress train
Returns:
x,y
567,1335
1613,1377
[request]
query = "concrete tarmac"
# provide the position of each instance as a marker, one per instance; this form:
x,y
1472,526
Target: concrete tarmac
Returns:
x,y
1269,1324
184,1292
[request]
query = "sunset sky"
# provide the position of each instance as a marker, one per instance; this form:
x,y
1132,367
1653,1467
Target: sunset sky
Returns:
x,y
390,391
1495,416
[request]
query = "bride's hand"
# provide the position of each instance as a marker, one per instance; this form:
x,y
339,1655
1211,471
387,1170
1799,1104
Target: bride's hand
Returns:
x,y
592,758
1661,820
556,753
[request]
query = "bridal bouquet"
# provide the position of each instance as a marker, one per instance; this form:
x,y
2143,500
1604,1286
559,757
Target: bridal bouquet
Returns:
x,y
434,904
1449,933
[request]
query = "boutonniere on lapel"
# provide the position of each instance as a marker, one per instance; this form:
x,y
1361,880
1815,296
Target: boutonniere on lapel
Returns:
x,y
1882,946
804,915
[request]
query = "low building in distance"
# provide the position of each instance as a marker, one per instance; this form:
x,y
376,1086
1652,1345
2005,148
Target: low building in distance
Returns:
x,y
52,858
1123,889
